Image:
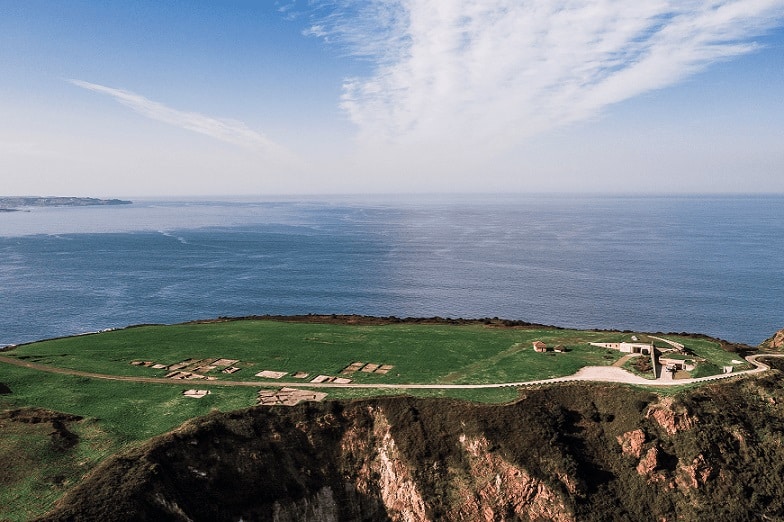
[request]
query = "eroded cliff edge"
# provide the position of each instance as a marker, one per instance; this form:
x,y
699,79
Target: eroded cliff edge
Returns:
x,y
570,452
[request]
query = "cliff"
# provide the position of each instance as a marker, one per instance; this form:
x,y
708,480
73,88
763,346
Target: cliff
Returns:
x,y
774,343
571,452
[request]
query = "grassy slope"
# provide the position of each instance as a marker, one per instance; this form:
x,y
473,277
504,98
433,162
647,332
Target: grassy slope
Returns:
x,y
122,413
37,471
116,414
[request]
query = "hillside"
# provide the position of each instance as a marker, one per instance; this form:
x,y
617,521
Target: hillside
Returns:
x,y
567,452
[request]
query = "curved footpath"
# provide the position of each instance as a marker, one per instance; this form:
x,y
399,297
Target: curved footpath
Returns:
x,y
587,373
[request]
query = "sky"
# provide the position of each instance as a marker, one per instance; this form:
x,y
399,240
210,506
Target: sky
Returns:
x,y
262,97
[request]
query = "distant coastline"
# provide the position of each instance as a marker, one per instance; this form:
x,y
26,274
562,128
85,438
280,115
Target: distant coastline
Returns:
x,y
12,204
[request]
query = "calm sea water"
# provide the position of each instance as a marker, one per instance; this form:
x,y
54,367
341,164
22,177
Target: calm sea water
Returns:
x,y
712,265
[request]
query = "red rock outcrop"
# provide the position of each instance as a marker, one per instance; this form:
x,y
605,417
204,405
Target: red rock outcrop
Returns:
x,y
501,488
649,466
776,342
694,475
670,416
631,442
382,469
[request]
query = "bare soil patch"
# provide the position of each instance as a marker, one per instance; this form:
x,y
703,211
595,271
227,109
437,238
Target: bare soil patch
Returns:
x,y
196,394
271,374
288,397
181,375
328,378
353,367
358,366
384,369
226,362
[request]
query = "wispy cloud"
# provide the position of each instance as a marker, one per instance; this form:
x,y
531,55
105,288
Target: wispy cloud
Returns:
x,y
497,71
229,131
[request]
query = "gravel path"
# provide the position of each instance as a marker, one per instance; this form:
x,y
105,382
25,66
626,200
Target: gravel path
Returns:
x,y
588,373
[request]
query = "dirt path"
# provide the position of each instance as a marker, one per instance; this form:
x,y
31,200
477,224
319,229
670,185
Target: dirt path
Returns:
x,y
588,373
620,362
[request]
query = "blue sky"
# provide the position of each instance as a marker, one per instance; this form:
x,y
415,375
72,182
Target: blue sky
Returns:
x,y
243,97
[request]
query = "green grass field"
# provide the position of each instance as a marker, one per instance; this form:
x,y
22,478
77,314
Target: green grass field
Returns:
x,y
419,353
428,354
118,413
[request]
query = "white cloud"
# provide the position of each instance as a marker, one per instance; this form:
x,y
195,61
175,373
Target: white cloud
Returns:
x,y
229,131
498,71
316,30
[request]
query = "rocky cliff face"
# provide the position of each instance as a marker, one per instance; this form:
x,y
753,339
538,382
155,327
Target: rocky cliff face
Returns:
x,y
776,342
562,453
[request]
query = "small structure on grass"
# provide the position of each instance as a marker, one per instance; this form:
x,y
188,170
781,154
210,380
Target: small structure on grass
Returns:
x,y
196,394
539,347
328,378
624,347
674,362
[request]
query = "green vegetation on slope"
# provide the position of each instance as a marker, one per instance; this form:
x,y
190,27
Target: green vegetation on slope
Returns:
x,y
117,414
588,452
43,454
37,470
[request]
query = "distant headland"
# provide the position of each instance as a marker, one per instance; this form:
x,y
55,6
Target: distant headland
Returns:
x,y
11,204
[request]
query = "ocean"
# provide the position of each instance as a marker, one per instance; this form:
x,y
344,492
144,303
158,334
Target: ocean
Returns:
x,y
709,264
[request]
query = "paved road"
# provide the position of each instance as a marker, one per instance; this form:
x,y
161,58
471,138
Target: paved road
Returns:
x,y
588,373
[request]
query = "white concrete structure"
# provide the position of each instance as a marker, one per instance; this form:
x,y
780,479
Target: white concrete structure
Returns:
x,y
642,348
675,363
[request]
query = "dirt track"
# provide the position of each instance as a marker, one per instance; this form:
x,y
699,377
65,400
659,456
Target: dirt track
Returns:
x,y
588,373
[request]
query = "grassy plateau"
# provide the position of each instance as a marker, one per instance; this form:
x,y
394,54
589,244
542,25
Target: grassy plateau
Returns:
x,y
109,415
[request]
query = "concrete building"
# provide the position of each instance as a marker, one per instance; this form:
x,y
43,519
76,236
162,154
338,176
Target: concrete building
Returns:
x,y
641,348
